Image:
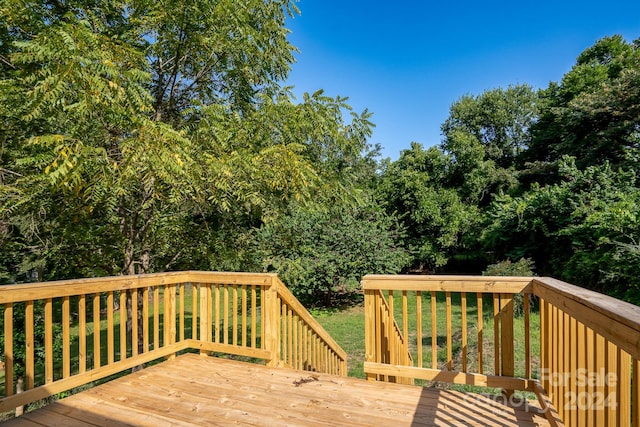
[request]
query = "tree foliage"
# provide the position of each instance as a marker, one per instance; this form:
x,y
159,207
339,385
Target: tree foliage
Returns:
x,y
436,219
322,253
129,123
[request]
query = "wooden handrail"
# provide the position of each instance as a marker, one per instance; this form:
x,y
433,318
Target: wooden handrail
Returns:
x,y
436,283
235,313
288,298
617,321
62,288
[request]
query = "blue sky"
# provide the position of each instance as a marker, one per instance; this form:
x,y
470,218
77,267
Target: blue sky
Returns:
x,y
407,62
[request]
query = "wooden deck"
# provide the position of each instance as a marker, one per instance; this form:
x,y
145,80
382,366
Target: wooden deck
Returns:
x,y
195,390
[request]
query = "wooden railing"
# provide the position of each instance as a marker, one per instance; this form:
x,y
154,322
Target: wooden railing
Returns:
x,y
577,350
65,334
590,355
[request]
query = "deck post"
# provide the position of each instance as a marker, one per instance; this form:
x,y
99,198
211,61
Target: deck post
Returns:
x,y
205,334
369,329
169,323
272,323
506,339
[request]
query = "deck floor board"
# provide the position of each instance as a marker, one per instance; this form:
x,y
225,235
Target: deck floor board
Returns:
x,y
195,390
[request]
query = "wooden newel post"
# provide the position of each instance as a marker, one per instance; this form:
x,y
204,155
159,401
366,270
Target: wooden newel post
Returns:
x,y
205,331
369,329
506,339
272,323
169,323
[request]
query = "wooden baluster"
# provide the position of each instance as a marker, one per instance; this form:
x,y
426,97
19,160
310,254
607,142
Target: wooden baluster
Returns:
x,y
378,331
591,367
463,304
581,368
234,315
218,328
48,341
244,315
194,310
295,342
573,369
82,334
479,302
166,321
449,333
554,357
8,349
123,325
30,345
66,337
135,338
405,330
613,369
391,350
110,329
181,315
146,336
564,367
97,331
434,332
601,363
496,334
544,345
156,318
205,294
289,326
254,316
419,326
262,315
300,344
225,314
527,336
284,332
635,393
559,362
622,388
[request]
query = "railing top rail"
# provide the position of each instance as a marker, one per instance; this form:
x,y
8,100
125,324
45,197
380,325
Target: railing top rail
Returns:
x,y
63,288
484,284
558,292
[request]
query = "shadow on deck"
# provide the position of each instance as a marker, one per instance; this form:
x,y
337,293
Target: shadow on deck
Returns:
x,y
198,390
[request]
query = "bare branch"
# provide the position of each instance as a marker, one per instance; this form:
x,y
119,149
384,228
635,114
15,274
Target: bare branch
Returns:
x,y
7,62
10,172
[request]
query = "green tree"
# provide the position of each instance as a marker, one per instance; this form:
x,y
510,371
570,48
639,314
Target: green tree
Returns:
x,y
573,230
322,253
127,122
593,113
485,136
435,217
